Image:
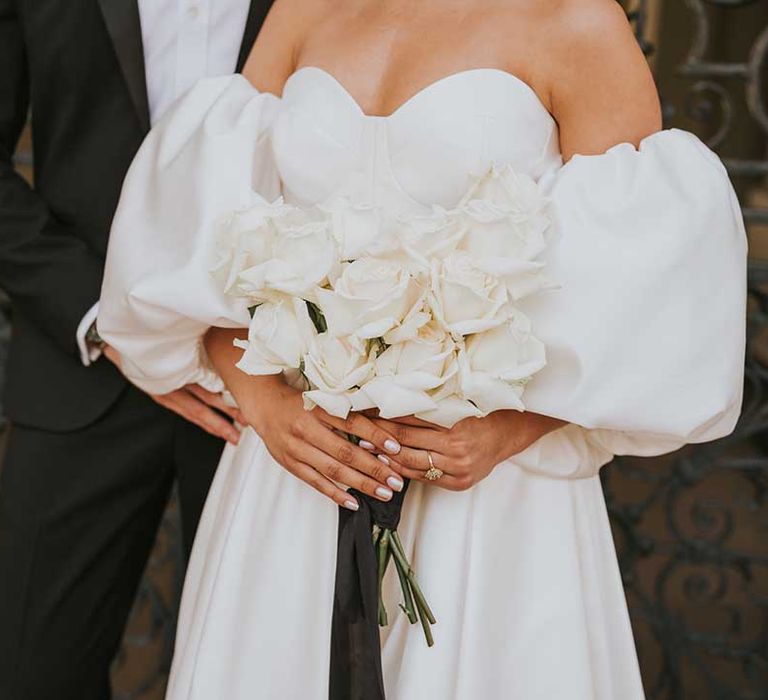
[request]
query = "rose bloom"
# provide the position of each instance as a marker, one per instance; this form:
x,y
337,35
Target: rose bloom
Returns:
x,y
426,237
360,231
369,298
278,337
335,367
407,371
494,366
291,253
505,220
244,240
465,299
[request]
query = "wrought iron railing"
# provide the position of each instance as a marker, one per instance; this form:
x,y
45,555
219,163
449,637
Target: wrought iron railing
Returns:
x,y
690,528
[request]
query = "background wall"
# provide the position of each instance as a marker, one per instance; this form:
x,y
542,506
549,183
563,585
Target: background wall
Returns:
x,y
691,529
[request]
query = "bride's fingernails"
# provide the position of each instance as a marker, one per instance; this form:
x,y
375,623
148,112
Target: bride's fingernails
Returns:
x,y
392,446
367,445
351,505
383,459
383,493
395,483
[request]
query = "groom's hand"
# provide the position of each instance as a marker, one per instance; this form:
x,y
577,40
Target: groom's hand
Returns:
x,y
197,405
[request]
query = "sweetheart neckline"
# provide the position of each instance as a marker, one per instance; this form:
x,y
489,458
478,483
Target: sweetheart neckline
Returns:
x,y
419,93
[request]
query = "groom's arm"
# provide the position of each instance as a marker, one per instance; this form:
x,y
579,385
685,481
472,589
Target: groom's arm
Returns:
x,y
52,276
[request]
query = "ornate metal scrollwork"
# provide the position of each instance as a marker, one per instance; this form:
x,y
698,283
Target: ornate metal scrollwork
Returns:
x,y
690,528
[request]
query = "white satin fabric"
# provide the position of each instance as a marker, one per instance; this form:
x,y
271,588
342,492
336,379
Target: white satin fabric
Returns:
x,y
645,343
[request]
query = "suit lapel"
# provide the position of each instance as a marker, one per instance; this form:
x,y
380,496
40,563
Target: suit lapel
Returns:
x,y
124,27
257,13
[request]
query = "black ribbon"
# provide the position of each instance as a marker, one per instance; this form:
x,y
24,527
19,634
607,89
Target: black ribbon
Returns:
x,y
356,672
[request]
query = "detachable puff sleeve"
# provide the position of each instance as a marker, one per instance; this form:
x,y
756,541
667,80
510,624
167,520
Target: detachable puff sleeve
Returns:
x,y
645,337
209,156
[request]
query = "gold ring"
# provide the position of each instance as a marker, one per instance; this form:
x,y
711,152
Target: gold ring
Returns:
x,y
433,473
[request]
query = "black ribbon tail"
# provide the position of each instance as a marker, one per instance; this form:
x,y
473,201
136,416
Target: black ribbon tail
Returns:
x,y
356,672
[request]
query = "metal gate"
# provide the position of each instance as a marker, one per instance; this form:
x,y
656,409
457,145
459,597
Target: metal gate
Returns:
x,y
691,528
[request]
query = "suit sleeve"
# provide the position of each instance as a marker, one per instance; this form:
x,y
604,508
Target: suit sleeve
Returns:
x,y
51,275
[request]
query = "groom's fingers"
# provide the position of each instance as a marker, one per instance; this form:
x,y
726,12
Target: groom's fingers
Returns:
x,y
214,400
195,411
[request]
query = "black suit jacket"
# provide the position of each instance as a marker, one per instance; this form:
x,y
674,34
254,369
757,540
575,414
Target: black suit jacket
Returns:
x,y
79,66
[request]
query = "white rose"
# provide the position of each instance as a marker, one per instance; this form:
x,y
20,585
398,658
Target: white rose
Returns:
x,y
405,373
278,337
464,298
495,366
296,253
506,219
433,235
359,230
244,239
409,327
335,368
369,298
450,406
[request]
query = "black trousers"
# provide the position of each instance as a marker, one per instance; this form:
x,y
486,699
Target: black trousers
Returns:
x,y
78,516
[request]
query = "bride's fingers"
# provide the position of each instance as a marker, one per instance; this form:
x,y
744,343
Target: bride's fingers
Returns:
x,y
325,486
413,420
451,483
372,436
415,436
338,472
350,455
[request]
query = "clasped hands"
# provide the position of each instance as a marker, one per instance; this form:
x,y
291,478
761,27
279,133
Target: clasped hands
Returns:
x,y
313,445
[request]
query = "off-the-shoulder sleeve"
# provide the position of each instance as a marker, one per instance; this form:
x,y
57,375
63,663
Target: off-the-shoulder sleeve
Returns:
x,y
209,156
645,337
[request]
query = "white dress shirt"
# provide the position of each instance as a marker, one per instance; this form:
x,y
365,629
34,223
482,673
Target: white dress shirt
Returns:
x,y
184,40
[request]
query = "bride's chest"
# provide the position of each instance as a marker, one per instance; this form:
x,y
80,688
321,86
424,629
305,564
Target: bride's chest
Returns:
x,y
427,152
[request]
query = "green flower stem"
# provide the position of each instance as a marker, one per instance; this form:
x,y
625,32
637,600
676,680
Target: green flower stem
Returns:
x,y
387,545
383,547
399,553
407,606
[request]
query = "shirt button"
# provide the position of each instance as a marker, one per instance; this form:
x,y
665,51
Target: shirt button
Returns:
x,y
193,12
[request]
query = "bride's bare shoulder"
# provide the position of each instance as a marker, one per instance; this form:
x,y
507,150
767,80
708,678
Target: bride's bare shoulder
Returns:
x,y
601,90
273,56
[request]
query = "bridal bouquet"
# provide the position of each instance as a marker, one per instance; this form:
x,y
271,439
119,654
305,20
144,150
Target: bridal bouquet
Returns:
x,y
410,315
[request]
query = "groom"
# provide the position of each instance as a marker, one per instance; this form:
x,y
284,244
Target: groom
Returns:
x,y
90,460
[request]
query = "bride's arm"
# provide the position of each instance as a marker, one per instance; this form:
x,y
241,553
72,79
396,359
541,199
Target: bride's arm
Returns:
x,y
306,443
601,92
600,88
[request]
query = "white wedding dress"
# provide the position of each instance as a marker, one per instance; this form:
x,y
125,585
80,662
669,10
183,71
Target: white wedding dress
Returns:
x,y
645,343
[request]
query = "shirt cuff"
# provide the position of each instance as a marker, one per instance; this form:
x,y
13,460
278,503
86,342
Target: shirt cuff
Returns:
x,y
88,354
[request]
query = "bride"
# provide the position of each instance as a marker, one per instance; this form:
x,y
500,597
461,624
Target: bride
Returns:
x,y
401,104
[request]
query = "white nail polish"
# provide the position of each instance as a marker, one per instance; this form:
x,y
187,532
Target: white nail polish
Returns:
x,y
395,483
383,458
391,446
384,493
367,445
351,505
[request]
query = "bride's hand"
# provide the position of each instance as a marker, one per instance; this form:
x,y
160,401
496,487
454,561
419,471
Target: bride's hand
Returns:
x,y
469,451
307,445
